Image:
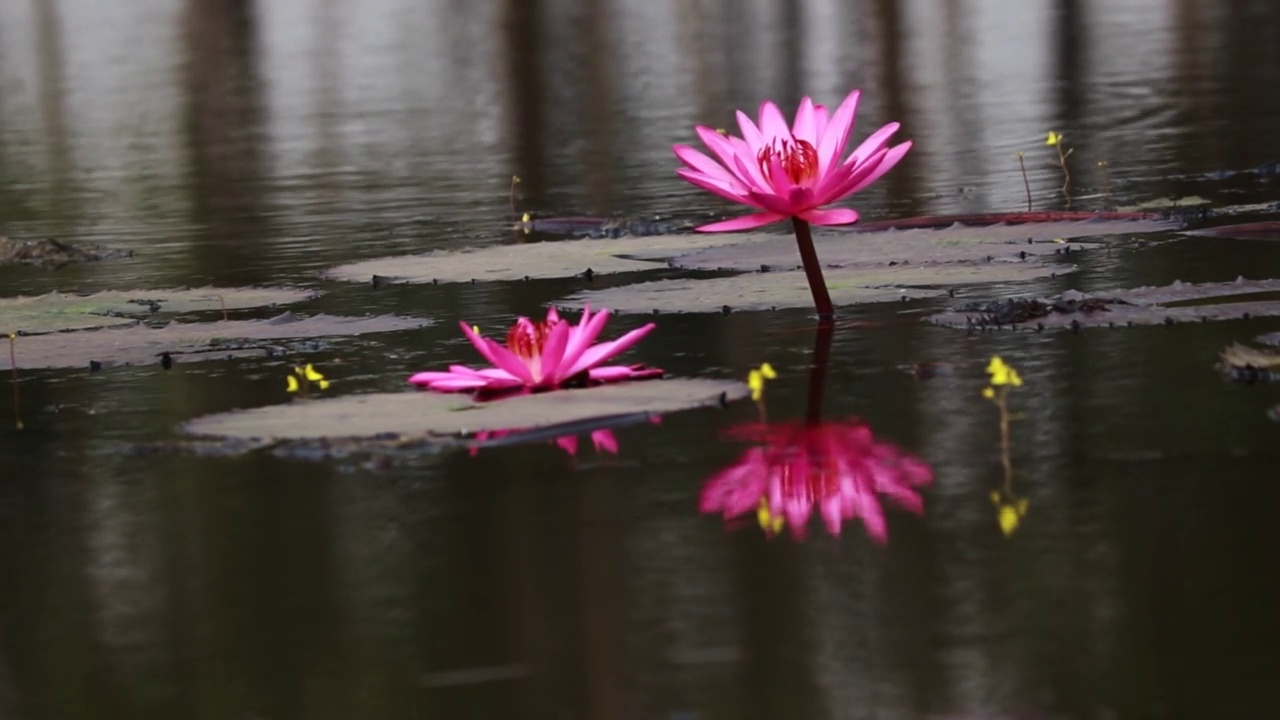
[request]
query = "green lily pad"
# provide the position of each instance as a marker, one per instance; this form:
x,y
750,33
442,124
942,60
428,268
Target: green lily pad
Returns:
x,y
57,311
441,416
936,245
779,290
184,342
1168,304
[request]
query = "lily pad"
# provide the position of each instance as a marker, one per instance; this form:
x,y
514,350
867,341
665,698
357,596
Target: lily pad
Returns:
x,y
141,344
559,259
57,311
916,244
427,415
777,290
1242,363
1166,204
1168,304
1267,230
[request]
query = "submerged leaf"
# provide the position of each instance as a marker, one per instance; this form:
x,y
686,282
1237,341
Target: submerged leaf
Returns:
x,y
424,415
1267,230
184,342
779,290
51,254
55,312
1168,304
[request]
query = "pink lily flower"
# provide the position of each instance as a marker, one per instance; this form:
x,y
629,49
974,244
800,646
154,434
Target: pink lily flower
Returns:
x,y
540,356
839,468
604,441
790,171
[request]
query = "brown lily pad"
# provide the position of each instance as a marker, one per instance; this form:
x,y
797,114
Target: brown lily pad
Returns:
x,y
1168,304
441,416
142,344
915,244
55,312
52,254
778,290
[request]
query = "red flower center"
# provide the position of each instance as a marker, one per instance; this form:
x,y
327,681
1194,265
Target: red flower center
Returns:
x,y
797,158
526,338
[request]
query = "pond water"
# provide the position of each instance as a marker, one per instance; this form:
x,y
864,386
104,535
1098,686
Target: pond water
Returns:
x,y
233,142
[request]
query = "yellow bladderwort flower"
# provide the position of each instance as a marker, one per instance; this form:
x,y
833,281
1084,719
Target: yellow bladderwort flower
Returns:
x,y
308,375
1002,374
756,378
1054,138
1009,513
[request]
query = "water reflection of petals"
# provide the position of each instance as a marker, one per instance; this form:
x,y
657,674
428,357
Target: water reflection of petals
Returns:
x,y
836,467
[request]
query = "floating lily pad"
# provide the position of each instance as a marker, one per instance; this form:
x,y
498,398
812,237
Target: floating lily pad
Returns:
x,y
52,254
913,240
428,415
141,344
560,259
916,244
594,227
1268,230
777,290
57,311
1169,304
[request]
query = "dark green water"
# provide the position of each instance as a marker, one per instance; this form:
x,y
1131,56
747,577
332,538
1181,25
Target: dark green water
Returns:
x,y
230,142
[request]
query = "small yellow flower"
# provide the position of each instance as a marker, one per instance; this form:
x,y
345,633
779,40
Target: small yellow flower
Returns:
x,y
1002,374
756,378
291,383
310,373
526,218
1054,138
1009,514
722,131
989,393
515,179
769,522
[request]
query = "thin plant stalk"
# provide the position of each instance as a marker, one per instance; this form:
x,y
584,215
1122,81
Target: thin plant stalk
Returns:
x,y
813,270
515,180
1105,167
1006,457
1025,182
17,393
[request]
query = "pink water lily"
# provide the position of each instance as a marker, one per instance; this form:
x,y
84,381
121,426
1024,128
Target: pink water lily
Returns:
x,y
603,439
790,170
539,356
838,468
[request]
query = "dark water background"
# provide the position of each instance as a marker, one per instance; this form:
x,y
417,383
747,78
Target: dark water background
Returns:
x,y
235,142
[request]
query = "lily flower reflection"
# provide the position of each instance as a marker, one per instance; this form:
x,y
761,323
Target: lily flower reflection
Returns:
x,y
838,468
603,440
540,356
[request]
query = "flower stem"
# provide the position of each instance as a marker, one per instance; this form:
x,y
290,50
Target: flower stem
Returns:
x,y
813,270
1025,182
818,371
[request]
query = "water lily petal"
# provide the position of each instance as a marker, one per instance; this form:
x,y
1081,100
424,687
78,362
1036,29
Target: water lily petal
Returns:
x,y
553,351
580,339
746,222
820,117
831,510
725,151
772,124
456,384
750,132
773,203
707,167
726,191
874,142
890,159
840,183
736,490
803,127
836,135
832,216
602,352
